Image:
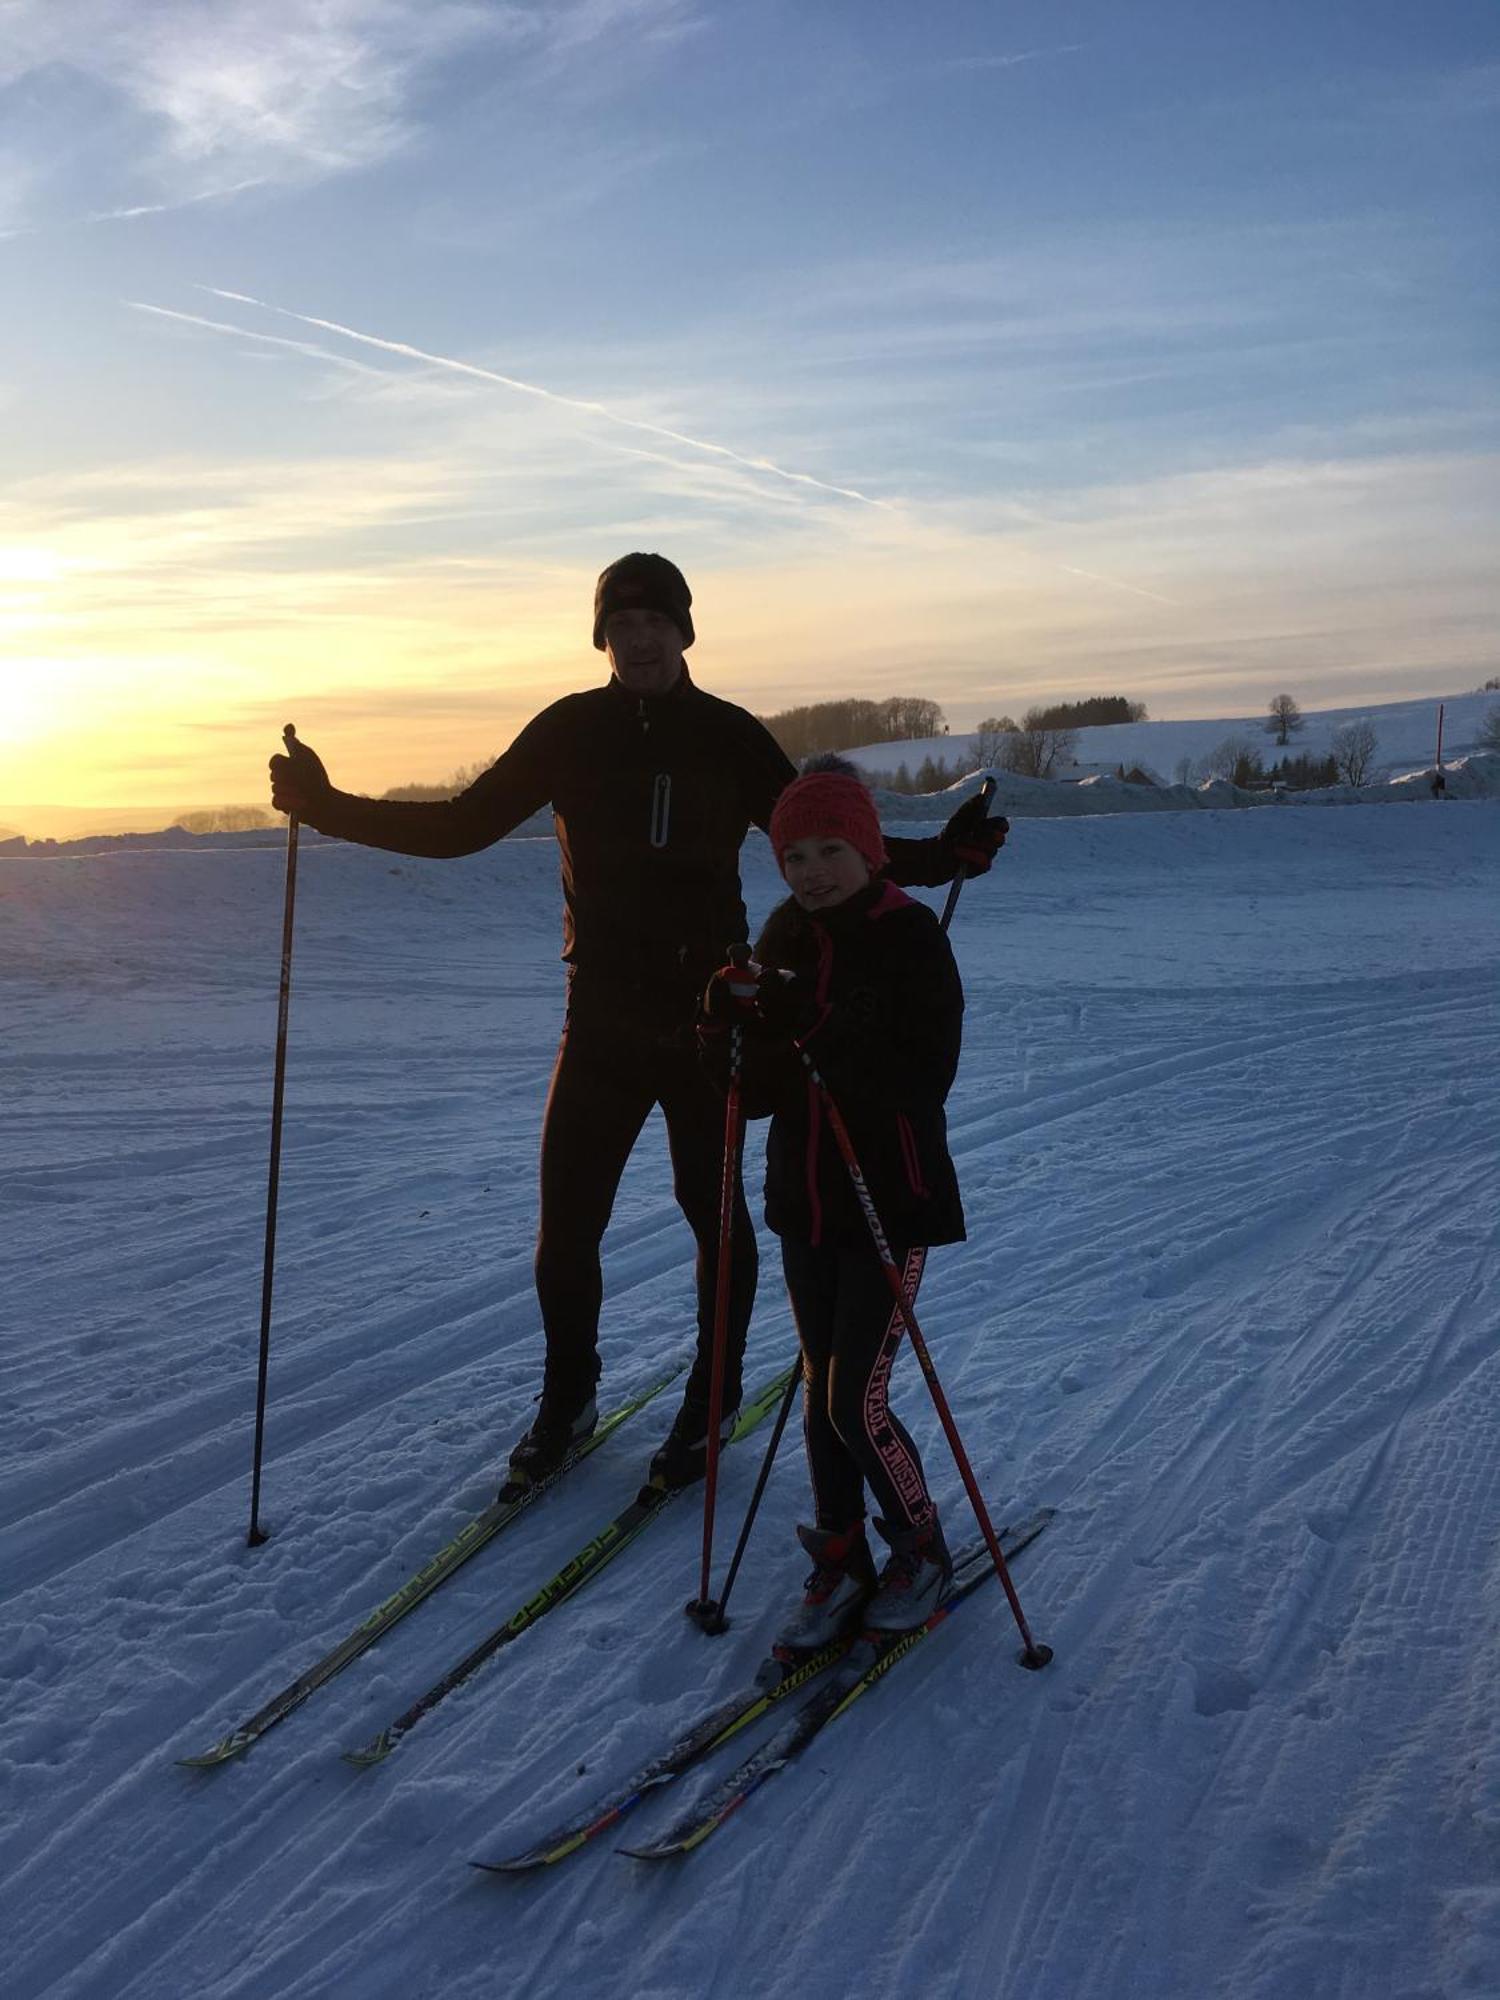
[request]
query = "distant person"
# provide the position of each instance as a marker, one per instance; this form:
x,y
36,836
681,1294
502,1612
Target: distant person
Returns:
x,y
1439,784
865,979
653,785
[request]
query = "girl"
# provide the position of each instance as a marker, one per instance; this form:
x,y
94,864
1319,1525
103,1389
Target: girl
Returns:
x,y
863,978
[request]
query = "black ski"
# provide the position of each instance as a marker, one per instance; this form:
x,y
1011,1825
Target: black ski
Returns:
x,y
776,1682
595,1555
732,1715
469,1540
867,1662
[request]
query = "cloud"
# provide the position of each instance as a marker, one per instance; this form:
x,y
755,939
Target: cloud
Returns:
x,y
1010,61
194,100
273,89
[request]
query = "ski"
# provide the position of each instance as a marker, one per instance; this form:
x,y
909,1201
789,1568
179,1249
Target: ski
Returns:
x,y
469,1540
867,1662
775,1682
595,1555
733,1714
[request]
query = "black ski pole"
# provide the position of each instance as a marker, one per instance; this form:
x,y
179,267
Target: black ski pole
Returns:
x,y
986,792
257,1533
709,1616
702,1609
713,1617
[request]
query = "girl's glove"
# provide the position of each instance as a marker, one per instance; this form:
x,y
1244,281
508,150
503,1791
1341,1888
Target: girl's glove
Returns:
x,y
785,1003
731,994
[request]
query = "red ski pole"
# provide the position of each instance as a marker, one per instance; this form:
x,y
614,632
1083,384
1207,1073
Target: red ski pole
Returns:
x,y
1032,1654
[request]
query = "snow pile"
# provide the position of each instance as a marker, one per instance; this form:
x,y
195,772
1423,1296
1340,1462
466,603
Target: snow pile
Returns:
x,y
1230,1150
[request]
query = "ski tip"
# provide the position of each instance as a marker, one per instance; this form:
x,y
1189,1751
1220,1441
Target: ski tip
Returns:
x,y
210,1760
370,1753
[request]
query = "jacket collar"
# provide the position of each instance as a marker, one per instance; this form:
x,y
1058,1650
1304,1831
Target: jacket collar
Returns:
x,y
653,704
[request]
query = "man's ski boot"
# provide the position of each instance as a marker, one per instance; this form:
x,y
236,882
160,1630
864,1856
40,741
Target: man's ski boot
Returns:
x,y
835,1594
556,1429
682,1457
914,1580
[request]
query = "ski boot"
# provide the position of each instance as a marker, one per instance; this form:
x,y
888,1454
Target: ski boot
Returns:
x,y
556,1429
914,1580
682,1457
841,1584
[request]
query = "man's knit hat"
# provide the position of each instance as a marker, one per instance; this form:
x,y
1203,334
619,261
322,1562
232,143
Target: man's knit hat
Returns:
x,y
643,582
829,805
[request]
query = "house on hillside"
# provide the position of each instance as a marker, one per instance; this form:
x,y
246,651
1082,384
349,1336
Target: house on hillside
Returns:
x,y
1130,774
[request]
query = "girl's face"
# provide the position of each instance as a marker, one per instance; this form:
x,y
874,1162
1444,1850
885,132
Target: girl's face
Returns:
x,y
821,871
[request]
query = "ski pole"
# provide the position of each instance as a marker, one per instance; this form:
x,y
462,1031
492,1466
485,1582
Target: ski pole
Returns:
x,y
701,1608
986,792
257,1533
1031,1655
710,1613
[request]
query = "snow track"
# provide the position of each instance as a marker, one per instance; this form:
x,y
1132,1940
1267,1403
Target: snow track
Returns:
x,y
1229,1137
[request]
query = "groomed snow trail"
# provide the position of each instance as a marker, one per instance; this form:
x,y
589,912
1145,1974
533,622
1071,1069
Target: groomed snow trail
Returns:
x,y
1229,1137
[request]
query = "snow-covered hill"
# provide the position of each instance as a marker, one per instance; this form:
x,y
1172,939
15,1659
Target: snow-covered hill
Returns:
x,y
1405,731
1230,1145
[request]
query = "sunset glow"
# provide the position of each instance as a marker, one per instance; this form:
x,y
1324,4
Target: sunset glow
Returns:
x,y
993,372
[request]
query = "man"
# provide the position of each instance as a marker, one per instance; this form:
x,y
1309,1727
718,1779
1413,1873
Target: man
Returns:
x,y
653,785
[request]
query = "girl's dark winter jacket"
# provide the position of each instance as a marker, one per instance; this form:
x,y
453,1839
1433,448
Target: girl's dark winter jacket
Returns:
x,y
881,1017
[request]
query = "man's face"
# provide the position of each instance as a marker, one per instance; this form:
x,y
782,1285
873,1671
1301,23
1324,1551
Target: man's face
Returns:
x,y
644,649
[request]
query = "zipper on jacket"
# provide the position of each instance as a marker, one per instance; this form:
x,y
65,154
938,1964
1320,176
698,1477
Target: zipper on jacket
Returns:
x,y
661,808
910,1157
814,1136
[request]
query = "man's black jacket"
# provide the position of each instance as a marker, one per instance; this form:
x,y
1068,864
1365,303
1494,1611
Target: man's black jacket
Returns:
x,y
651,798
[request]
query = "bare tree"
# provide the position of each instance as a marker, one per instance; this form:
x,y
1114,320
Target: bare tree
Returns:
x,y
989,739
1489,730
1236,759
1353,749
1283,717
1035,748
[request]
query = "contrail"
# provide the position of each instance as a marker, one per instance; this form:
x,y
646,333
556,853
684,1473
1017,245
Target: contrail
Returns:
x,y
1135,589
589,408
550,396
267,339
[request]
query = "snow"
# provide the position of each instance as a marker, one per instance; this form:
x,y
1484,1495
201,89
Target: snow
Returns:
x,y
1405,733
1229,1138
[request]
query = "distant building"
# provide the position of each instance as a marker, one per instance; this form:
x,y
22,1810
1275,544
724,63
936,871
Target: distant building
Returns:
x,y
1130,774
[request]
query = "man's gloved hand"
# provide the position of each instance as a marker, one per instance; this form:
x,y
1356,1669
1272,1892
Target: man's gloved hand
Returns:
x,y
299,782
730,995
972,838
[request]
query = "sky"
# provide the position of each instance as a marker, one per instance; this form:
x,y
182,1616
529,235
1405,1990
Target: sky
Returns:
x,y
997,353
